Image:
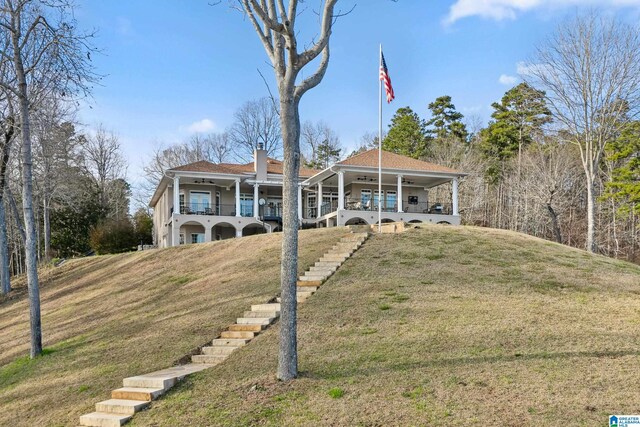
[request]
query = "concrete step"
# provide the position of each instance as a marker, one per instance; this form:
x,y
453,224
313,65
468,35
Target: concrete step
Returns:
x,y
323,268
298,298
218,350
253,321
323,274
331,264
304,295
237,334
314,278
146,394
164,379
242,328
121,406
262,314
208,359
308,288
231,342
333,258
265,307
103,419
309,283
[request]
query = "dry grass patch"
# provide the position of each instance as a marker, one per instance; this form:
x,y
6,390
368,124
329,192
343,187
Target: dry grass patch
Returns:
x,y
484,327
109,317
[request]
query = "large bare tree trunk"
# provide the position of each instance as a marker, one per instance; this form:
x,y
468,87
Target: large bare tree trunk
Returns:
x,y
288,357
591,215
5,276
31,254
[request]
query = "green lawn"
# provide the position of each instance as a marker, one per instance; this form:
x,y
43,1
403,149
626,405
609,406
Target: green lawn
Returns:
x,y
442,326
109,317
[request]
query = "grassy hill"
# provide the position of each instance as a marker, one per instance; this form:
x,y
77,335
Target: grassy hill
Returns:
x,y
436,326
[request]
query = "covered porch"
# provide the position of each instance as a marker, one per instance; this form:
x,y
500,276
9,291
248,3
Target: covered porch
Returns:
x,y
352,195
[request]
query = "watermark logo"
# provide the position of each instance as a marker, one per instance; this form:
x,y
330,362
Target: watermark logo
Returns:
x,y
624,420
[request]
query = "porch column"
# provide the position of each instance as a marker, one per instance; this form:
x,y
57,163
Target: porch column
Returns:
x,y
340,190
399,195
207,234
319,200
300,202
454,196
256,196
238,197
238,233
176,195
175,234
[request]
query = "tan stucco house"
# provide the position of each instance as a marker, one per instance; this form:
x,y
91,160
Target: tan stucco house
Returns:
x,y
203,201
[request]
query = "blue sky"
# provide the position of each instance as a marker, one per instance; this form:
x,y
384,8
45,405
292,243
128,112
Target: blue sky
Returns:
x,y
176,67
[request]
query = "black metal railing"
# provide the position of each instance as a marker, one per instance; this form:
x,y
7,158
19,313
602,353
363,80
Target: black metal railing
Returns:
x,y
428,208
353,204
220,210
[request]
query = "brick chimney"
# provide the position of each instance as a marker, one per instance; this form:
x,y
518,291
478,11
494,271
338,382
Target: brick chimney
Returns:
x,y
260,163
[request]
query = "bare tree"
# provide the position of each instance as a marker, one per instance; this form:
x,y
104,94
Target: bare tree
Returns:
x,y
8,131
275,25
104,162
256,123
590,70
47,57
320,143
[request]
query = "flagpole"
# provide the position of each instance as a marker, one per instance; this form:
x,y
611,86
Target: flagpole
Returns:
x,y
380,146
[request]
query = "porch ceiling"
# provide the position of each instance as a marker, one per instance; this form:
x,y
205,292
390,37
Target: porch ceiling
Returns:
x,y
371,178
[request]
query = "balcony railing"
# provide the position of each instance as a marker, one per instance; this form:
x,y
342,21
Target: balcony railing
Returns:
x,y
220,210
391,206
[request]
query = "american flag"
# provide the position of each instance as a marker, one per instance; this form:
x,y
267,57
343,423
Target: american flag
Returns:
x,y
384,76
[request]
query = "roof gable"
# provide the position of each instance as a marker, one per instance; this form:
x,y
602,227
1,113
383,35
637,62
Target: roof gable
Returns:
x,y
391,160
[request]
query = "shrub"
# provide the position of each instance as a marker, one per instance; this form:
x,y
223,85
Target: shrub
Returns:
x,y
113,236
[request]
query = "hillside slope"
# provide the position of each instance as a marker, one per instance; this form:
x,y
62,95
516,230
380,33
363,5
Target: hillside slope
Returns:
x,y
441,326
109,317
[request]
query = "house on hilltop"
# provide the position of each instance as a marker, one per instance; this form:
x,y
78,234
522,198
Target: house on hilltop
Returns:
x,y
204,201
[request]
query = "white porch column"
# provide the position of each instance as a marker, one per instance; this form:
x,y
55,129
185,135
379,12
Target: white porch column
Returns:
x,y
319,200
300,202
399,195
340,190
238,233
454,196
256,196
176,195
238,197
207,234
175,234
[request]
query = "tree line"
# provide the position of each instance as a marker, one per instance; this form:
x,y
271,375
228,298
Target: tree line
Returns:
x,y
62,192
560,158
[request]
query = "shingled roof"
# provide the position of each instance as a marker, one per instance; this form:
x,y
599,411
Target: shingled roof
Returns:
x,y
273,166
393,161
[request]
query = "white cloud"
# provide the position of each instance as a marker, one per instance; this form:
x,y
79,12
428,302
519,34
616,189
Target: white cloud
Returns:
x,y
201,126
509,9
525,69
507,80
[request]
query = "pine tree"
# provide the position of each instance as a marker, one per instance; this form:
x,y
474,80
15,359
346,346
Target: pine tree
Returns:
x,y
407,134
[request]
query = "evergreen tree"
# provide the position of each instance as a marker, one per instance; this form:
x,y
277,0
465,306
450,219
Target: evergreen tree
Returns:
x,y
407,134
446,121
625,180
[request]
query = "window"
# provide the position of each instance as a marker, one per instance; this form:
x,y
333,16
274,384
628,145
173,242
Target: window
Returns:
x,y
391,200
181,203
311,204
217,203
181,239
376,199
365,198
200,201
246,205
197,237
